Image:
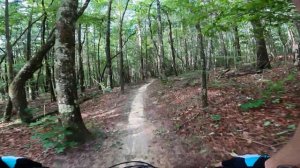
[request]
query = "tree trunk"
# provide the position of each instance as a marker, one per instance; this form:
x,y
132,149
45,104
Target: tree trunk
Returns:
x,y
48,79
89,73
121,49
80,61
142,69
17,89
237,44
107,47
32,90
204,75
99,60
261,48
224,50
10,62
173,52
186,55
65,72
161,54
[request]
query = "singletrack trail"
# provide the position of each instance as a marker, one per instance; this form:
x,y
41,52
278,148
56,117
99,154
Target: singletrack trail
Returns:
x,y
132,142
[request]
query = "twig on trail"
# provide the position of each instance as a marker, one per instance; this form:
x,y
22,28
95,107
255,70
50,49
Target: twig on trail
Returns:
x,y
259,143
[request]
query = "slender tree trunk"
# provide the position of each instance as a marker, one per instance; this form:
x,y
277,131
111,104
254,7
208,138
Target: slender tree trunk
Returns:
x,y
204,75
261,48
161,52
237,44
99,59
32,90
151,31
48,79
282,40
80,61
139,29
146,58
186,55
65,72
10,62
121,48
89,75
173,52
107,48
224,50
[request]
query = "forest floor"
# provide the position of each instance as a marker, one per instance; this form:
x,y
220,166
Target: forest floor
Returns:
x,y
165,120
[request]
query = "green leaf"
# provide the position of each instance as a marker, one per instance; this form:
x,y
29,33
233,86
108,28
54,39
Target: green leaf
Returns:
x,y
292,127
267,123
216,117
252,104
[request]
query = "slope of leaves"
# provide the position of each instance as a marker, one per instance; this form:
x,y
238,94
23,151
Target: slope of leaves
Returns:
x,y
225,128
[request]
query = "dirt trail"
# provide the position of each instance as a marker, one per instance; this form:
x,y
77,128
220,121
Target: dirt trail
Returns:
x,y
136,145
134,141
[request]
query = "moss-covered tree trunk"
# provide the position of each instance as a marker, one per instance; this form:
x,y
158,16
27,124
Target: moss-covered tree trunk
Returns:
x,y
261,48
65,71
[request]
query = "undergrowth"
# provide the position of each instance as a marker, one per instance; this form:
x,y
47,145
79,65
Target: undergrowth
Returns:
x,y
52,134
273,89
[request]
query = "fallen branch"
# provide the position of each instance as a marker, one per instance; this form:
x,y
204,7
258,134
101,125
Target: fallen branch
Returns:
x,y
223,73
235,73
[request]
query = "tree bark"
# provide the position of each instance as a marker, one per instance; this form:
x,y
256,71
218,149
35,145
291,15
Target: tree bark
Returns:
x,y
65,72
32,90
27,71
107,47
261,48
186,55
237,44
99,59
48,80
142,69
10,62
224,50
80,61
161,53
173,52
89,73
121,48
204,75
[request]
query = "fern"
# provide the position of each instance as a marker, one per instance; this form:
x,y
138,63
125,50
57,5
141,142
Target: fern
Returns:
x,y
252,104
